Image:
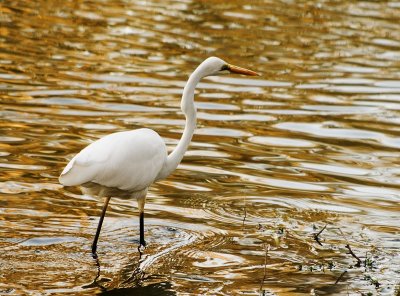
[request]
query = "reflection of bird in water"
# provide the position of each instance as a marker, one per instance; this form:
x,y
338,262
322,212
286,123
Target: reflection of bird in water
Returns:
x,y
131,286
125,164
135,278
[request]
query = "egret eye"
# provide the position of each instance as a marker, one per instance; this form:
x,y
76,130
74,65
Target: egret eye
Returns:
x,y
225,68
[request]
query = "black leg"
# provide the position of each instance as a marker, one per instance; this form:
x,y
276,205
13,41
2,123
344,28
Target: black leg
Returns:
x,y
142,241
96,237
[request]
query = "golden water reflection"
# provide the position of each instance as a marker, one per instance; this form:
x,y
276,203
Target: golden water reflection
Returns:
x,y
312,142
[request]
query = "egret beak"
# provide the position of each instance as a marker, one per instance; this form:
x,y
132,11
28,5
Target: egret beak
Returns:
x,y
239,70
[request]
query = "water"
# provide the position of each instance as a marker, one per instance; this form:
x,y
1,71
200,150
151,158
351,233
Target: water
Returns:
x,y
312,142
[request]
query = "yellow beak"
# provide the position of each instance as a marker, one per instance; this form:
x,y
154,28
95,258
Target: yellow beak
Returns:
x,y
239,70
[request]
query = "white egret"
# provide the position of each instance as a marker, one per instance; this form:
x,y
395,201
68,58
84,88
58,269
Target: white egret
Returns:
x,y
124,164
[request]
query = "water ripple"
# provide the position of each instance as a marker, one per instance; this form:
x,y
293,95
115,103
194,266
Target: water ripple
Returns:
x,y
312,142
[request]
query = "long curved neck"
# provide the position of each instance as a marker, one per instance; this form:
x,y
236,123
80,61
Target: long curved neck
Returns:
x,y
188,108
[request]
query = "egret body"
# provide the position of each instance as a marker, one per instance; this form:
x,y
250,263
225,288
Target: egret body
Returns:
x,y
125,164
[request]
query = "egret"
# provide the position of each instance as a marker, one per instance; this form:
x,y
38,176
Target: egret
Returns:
x,y
124,164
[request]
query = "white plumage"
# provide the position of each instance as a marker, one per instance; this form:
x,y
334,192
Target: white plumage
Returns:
x,y
129,160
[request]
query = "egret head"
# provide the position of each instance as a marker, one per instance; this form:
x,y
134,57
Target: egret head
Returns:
x,y
215,66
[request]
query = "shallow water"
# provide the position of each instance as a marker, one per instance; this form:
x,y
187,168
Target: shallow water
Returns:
x,y
312,142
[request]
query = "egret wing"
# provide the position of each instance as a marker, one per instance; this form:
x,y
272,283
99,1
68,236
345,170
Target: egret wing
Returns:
x,y
125,160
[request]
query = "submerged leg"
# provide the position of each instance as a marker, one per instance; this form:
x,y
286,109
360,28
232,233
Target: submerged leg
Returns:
x,y
96,237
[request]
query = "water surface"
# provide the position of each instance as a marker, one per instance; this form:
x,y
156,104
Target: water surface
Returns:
x,y
311,143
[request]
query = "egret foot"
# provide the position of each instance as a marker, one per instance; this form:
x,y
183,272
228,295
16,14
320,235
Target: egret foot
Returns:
x,y
94,255
142,243
141,248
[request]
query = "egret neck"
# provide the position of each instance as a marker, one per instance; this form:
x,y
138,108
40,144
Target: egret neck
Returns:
x,y
189,110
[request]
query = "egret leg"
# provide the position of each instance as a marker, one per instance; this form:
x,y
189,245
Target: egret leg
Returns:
x,y
142,241
96,237
141,201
